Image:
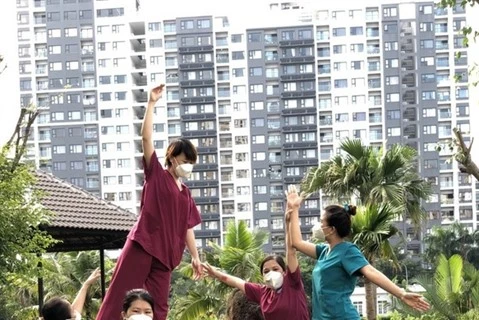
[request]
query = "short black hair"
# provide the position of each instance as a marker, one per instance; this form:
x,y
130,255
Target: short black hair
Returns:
x,y
179,146
278,259
339,217
137,294
56,309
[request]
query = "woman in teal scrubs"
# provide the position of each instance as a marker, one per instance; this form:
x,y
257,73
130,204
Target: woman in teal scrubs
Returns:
x,y
339,263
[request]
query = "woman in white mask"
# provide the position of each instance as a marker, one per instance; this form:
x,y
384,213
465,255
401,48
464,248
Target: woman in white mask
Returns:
x,y
60,309
168,214
137,305
339,263
282,295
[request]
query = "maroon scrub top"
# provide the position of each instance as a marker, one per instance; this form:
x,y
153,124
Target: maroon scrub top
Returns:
x,y
289,303
166,214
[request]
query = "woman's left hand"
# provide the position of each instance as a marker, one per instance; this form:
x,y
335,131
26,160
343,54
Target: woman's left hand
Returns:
x,y
415,301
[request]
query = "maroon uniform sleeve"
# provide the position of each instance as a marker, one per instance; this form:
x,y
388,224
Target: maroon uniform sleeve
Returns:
x,y
155,166
295,278
194,217
253,291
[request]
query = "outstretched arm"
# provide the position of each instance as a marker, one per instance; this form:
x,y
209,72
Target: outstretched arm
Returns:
x,y
414,300
292,213
147,126
79,301
231,281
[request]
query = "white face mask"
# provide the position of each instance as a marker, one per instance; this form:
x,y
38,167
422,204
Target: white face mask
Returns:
x,y
273,279
318,232
139,317
183,170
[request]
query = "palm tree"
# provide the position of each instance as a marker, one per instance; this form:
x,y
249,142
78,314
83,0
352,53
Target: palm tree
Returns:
x,y
372,227
240,256
373,177
453,239
453,291
63,275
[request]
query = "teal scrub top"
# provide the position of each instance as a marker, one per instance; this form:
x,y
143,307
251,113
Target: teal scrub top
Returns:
x,y
334,279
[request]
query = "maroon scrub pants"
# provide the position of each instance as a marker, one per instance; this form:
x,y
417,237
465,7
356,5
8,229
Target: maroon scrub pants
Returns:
x,y
136,269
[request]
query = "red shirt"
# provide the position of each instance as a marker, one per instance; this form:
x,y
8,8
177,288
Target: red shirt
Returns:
x,y
166,214
287,304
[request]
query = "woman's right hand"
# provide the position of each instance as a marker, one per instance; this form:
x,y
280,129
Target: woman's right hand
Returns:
x,y
210,270
293,198
156,93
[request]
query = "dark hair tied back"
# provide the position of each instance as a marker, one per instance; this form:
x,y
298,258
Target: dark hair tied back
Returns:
x,y
350,209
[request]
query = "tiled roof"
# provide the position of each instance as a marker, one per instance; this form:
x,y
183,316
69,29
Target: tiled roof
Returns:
x,y
76,208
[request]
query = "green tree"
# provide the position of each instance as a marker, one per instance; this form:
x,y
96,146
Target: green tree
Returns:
x,y
373,177
63,275
450,240
462,152
372,228
453,290
240,256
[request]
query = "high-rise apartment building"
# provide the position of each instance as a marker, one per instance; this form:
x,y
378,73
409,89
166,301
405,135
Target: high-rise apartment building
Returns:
x,y
263,102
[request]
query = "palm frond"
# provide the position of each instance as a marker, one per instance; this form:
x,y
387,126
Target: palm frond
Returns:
x,y
448,276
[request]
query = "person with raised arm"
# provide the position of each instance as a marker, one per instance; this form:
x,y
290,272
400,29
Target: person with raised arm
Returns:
x,y
168,214
282,296
339,263
58,308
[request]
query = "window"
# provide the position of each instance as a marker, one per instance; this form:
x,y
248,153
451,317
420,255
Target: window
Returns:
x,y
428,95
237,55
339,32
392,63
356,31
392,97
255,54
430,129
390,12
254,37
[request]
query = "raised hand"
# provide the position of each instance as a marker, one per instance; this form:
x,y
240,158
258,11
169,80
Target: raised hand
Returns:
x,y
293,198
94,276
156,93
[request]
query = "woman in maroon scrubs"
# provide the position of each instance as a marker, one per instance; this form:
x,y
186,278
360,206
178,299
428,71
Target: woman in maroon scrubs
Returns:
x,y
168,215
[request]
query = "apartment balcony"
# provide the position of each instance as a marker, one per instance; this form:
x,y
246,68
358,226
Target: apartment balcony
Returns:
x,y
140,96
138,62
196,66
195,100
326,121
296,43
298,94
301,76
375,135
409,114
297,60
139,79
197,83
195,49
138,45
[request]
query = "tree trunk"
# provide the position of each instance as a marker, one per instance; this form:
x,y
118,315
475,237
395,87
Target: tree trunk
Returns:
x,y
463,155
371,302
